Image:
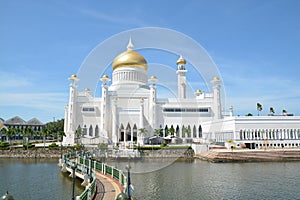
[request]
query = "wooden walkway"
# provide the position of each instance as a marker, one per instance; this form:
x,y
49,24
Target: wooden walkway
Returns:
x,y
109,189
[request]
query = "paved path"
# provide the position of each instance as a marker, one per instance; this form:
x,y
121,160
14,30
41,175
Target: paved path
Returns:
x,y
111,189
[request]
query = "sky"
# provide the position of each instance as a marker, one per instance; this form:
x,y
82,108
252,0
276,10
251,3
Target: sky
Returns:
x,y
255,45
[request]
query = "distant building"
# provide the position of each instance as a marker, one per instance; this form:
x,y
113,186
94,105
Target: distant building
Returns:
x,y
18,123
130,104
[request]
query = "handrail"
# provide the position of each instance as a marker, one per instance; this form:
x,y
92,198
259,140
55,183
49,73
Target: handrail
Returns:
x,y
95,166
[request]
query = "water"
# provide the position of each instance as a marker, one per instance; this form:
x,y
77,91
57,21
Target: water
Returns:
x,y
41,179
204,180
35,179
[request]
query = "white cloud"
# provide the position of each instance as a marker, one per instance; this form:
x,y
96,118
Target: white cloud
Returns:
x,y
112,18
13,80
41,101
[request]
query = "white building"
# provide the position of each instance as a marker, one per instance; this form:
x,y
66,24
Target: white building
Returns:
x,y
130,104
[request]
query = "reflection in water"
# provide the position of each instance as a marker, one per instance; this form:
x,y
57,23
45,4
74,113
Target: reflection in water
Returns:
x,y
203,180
41,179
29,179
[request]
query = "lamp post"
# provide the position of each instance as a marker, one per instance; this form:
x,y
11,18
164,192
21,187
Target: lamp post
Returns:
x,y
128,167
74,166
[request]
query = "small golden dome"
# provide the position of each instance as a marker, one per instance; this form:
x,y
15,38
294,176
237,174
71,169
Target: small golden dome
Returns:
x,y
130,58
181,60
198,91
73,77
105,76
216,79
153,77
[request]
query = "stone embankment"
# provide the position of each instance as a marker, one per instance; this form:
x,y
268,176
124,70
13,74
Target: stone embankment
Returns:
x,y
268,155
35,153
169,153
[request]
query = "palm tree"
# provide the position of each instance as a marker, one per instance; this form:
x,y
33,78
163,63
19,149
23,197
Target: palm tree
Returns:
x,y
44,134
78,134
10,133
171,130
158,132
142,131
187,131
259,108
272,110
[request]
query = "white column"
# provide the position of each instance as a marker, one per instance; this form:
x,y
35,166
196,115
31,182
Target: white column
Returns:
x,y
114,121
131,139
142,113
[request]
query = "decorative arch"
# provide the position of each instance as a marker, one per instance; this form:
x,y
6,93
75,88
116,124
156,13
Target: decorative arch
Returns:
x,y
91,130
96,131
134,132
121,138
194,132
128,132
200,131
166,130
183,131
177,131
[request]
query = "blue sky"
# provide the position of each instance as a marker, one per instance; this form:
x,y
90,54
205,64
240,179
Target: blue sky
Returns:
x,y
255,45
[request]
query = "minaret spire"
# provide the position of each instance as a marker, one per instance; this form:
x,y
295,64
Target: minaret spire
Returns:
x,y
130,45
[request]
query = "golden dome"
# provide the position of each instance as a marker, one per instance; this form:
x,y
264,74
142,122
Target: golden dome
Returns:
x,y
130,58
198,91
216,79
153,77
181,60
105,76
73,77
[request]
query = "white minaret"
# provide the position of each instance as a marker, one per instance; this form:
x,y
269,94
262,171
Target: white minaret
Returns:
x,y
115,121
181,73
105,80
152,100
217,98
71,111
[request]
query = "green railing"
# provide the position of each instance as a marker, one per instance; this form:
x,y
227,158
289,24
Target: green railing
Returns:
x,y
103,168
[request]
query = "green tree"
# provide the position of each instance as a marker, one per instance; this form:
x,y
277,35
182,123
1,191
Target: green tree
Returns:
x,y
10,133
55,127
171,130
142,131
44,134
259,108
78,134
187,131
27,132
158,132
272,111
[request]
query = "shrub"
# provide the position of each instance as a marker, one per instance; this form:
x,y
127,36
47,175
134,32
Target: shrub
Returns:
x,y
53,145
102,145
4,144
164,144
29,145
78,146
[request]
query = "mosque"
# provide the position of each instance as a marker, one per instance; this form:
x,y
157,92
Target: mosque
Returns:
x,y
129,111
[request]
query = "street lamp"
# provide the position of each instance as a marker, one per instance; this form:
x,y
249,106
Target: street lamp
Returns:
x,y
128,167
74,166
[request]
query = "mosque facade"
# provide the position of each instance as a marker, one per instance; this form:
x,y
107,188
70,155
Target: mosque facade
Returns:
x,y
129,111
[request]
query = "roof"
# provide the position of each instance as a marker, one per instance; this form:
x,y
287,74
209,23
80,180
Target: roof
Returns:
x,y
19,121
34,121
15,120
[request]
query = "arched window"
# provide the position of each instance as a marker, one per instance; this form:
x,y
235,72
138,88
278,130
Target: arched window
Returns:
x,y
96,131
166,130
84,130
177,131
183,131
91,130
194,131
200,131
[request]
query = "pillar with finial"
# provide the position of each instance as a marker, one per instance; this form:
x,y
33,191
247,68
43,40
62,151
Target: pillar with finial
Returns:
x,y
71,111
152,100
181,74
105,80
216,98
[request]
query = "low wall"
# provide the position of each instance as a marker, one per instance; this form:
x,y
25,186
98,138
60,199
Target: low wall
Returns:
x,y
35,153
251,155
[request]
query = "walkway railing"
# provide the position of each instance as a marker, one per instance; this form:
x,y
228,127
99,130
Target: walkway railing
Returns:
x,y
86,164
